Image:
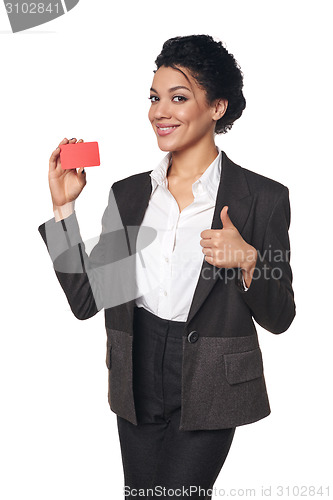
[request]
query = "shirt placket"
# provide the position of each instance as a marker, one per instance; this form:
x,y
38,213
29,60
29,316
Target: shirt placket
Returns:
x,y
168,243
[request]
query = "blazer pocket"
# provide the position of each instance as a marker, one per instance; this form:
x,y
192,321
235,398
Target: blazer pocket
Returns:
x,y
108,354
243,366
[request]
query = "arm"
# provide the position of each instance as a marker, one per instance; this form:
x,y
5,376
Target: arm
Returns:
x,y
82,277
270,295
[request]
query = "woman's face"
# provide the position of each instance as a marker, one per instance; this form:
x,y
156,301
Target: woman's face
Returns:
x,y
179,113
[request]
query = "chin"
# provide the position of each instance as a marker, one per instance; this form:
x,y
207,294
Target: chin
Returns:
x,y
163,147
168,146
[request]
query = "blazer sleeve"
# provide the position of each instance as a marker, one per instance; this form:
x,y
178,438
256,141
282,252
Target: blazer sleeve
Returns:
x,y
83,277
270,295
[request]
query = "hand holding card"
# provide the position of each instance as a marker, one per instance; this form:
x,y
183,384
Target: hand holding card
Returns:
x,y
66,184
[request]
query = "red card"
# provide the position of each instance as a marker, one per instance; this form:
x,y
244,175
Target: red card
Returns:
x,y
80,154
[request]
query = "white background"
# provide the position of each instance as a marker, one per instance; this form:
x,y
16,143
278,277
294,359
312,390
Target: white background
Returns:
x,y
87,74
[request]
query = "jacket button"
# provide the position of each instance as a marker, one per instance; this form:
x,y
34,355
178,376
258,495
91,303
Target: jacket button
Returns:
x,y
193,336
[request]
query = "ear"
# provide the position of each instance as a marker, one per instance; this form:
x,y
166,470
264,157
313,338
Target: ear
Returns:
x,y
220,107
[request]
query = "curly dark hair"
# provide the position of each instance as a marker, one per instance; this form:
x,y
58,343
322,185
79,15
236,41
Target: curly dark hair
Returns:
x,y
214,69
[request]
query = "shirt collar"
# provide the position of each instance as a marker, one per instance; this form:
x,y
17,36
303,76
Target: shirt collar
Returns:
x,y
209,181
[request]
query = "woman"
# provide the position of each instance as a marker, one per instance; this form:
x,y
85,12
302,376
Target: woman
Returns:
x,y
185,366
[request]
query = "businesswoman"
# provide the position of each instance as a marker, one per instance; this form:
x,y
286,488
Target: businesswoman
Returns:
x,y
185,366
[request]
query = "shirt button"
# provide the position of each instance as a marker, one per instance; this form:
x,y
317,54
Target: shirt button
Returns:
x,y
165,292
166,259
193,336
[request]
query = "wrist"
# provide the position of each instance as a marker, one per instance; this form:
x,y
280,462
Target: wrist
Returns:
x,y
249,264
63,211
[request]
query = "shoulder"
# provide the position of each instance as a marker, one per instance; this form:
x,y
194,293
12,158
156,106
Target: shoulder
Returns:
x,y
259,185
258,182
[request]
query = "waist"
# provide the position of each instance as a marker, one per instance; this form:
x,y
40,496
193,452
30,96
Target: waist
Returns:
x,y
144,320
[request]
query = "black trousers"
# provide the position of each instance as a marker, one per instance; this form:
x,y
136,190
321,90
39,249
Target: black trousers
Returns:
x,y
159,460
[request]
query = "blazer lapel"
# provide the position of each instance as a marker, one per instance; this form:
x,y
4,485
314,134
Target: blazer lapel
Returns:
x,y
233,191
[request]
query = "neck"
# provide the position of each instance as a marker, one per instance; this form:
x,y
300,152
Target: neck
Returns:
x,y
192,162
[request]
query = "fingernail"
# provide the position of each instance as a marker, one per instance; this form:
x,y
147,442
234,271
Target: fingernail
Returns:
x,y
72,138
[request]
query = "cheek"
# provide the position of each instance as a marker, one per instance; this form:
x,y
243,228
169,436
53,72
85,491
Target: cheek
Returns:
x,y
192,115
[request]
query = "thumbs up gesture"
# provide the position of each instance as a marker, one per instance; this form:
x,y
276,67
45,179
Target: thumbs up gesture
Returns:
x,y
226,248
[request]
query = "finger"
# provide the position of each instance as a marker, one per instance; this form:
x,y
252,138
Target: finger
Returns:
x,y
209,259
53,158
226,221
56,152
64,141
81,177
208,251
207,243
207,233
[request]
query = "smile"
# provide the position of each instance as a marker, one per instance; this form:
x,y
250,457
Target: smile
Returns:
x,y
165,130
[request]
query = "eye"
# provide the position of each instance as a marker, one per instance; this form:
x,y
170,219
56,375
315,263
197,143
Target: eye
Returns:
x,y
180,98
152,98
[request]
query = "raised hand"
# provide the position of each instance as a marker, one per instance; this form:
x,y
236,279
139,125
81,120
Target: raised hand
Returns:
x,y
226,248
65,185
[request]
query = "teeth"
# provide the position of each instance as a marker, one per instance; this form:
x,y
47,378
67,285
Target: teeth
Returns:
x,y
166,128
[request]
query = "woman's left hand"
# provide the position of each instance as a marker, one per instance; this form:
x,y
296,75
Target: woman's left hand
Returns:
x,y
226,248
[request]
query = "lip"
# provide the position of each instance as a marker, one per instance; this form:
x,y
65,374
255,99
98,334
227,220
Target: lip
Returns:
x,y
170,128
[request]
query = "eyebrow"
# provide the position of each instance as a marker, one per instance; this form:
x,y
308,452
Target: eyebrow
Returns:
x,y
172,89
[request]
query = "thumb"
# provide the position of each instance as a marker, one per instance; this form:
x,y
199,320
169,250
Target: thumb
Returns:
x,y
226,221
81,175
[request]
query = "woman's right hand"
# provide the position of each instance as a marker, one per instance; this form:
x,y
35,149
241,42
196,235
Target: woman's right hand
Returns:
x,y
65,185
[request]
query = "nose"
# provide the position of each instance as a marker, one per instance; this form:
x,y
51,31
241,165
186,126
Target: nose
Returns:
x,y
162,110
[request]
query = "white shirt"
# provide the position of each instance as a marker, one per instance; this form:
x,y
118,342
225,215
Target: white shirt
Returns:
x,y
173,261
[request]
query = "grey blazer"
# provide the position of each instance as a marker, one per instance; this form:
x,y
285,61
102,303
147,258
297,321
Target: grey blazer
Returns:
x,y
223,382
